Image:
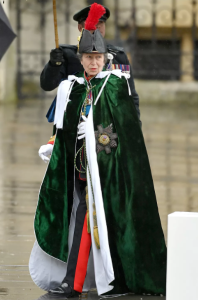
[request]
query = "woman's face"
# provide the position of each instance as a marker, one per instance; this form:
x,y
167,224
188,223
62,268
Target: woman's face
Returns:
x,y
93,63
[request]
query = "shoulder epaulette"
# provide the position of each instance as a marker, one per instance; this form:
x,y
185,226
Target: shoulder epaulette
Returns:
x,y
115,48
70,50
71,47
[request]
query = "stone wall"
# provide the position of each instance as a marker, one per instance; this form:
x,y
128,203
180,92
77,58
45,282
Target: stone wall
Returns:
x,y
8,65
144,11
167,92
149,91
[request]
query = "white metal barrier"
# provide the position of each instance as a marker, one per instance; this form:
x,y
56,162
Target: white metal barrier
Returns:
x,y
182,266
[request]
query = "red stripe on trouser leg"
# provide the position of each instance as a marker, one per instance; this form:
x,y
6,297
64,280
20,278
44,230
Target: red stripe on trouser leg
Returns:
x,y
83,257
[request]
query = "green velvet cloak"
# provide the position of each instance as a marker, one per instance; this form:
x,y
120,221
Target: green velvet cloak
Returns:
x,y
135,234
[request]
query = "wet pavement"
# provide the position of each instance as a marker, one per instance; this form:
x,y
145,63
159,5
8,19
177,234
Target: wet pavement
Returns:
x,y
172,142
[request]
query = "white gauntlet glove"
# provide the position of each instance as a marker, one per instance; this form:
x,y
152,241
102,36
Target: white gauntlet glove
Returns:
x,y
44,151
81,128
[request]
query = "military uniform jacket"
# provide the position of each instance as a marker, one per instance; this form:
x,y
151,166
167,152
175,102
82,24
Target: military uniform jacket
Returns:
x,y
51,76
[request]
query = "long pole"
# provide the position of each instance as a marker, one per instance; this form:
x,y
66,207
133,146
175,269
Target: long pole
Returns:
x,y
55,24
19,80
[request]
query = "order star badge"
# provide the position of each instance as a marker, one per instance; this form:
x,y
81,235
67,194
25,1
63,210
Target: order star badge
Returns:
x,y
105,139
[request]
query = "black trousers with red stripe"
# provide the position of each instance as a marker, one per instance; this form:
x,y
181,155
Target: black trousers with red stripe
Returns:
x,y
80,250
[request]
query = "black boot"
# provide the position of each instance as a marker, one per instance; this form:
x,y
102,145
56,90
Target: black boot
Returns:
x,y
66,290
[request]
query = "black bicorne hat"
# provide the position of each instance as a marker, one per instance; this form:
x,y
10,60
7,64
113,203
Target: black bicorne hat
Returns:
x,y
92,42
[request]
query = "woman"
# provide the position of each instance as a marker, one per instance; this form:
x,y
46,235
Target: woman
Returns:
x,y
116,237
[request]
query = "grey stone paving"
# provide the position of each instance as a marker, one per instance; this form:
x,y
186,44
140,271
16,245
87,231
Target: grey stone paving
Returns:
x,y
172,142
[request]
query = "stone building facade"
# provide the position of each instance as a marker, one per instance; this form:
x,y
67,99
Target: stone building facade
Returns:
x,y
160,37
8,67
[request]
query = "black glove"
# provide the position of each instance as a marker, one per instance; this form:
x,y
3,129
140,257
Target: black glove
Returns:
x,y
56,57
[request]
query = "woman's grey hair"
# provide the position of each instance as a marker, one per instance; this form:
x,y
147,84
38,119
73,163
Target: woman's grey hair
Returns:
x,y
79,55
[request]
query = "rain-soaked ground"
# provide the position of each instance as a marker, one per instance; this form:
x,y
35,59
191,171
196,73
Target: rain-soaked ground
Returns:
x,y
172,142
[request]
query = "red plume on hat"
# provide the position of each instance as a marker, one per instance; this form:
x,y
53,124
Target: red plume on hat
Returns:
x,y
95,13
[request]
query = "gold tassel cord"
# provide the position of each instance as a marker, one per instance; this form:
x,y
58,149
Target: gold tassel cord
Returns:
x,y
87,202
95,229
96,234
